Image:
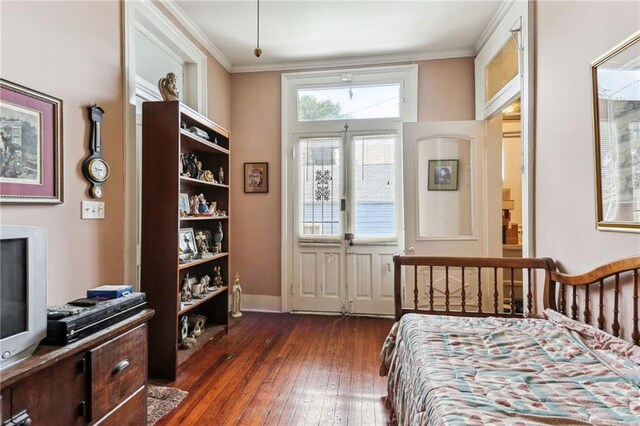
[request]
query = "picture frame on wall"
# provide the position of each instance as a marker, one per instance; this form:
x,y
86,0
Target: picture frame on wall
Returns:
x,y
616,109
256,178
31,146
443,175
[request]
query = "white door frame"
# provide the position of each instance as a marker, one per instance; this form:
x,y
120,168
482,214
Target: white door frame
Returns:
x,y
144,14
516,16
409,112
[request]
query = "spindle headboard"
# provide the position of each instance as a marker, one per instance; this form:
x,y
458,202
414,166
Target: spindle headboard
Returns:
x,y
448,278
474,282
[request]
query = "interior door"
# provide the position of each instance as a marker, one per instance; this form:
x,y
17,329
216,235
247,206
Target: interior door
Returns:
x,y
452,197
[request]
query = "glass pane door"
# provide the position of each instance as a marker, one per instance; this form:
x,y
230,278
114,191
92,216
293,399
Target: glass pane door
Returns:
x,y
374,191
320,186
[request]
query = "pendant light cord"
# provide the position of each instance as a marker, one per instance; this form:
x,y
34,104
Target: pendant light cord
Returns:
x,y
257,51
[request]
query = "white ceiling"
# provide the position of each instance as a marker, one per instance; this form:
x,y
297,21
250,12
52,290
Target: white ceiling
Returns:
x,y
308,33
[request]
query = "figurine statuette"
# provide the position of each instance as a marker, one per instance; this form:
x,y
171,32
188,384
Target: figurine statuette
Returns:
x,y
168,87
237,298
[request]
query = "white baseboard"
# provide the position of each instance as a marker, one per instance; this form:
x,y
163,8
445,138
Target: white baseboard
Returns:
x,y
261,303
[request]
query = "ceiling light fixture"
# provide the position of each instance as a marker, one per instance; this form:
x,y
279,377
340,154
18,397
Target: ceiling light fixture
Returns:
x,y
257,51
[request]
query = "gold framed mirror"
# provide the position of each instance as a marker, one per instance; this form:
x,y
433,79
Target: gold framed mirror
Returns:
x,y
616,107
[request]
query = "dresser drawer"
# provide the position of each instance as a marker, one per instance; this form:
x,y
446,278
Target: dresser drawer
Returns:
x,y
132,412
118,369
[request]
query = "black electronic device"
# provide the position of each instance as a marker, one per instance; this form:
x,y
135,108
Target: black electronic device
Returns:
x,y
85,302
62,330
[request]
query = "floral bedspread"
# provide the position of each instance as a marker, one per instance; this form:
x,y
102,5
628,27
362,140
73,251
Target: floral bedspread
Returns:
x,y
446,370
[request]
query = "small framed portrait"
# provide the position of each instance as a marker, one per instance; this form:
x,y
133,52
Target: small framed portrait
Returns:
x,y
443,175
183,204
256,177
187,244
30,146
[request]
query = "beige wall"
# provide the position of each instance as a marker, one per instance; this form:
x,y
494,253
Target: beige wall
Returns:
x,y
446,92
72,51
565,194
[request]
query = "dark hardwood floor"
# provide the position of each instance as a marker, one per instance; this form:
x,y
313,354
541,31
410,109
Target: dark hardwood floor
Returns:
x,y
284,369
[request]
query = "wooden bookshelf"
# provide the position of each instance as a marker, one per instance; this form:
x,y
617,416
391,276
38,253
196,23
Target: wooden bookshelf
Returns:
x,y
162,274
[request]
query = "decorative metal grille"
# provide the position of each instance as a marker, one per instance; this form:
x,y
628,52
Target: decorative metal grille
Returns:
x,y
323,188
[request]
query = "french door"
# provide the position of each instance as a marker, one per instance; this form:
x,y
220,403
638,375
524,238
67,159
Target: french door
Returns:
x,y
347,218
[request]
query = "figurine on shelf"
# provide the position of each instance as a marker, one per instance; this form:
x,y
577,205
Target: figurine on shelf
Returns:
x,y
217,279
190,166
183,328
200,171
217,238
185,291
207,176
203,244
204,283
168,87
196,290
237,298
202,205
221,175
194,204
197,322
188,342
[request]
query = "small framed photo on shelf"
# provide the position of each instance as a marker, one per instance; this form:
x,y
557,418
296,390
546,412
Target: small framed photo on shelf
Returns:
x,y
443,175
31,131
256,177
183,204
187,244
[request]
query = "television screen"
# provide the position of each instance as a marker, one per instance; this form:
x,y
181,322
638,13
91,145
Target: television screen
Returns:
x,y
13,287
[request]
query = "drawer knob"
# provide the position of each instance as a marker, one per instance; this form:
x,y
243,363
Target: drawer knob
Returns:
x,y
120,366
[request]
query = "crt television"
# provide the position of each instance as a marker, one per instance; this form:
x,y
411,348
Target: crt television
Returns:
x,y
23,291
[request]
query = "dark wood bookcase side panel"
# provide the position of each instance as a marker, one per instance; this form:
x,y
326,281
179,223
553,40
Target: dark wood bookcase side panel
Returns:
x,y
159,230
161,273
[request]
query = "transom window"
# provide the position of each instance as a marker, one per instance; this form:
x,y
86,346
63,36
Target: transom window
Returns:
x,y
349,102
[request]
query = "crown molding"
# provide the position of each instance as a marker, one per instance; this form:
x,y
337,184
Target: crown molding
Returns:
x,y
194,31
502,11
357,61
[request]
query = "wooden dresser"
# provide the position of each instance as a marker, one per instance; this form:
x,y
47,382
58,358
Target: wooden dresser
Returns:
x,y
100,379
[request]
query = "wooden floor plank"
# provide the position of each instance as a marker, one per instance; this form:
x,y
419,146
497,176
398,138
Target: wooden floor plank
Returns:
x,y
287,369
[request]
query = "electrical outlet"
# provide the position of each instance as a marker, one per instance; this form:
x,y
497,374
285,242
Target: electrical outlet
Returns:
x,y
92,210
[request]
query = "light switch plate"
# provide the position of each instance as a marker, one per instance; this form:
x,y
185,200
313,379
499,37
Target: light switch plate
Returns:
x,y
92,210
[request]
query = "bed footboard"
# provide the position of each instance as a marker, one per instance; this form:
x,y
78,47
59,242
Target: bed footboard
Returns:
x,y
469,286
609,286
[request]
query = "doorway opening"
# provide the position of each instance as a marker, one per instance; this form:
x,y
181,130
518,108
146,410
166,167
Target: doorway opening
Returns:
x,y
342,209
512,201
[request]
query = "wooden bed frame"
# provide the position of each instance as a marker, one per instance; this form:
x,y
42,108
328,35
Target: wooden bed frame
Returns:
x,y
610,277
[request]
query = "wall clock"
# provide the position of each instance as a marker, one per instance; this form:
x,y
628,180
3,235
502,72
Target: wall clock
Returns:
x,y
95,168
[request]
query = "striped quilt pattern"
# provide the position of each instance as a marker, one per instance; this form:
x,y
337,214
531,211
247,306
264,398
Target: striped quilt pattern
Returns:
x,y
446,370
